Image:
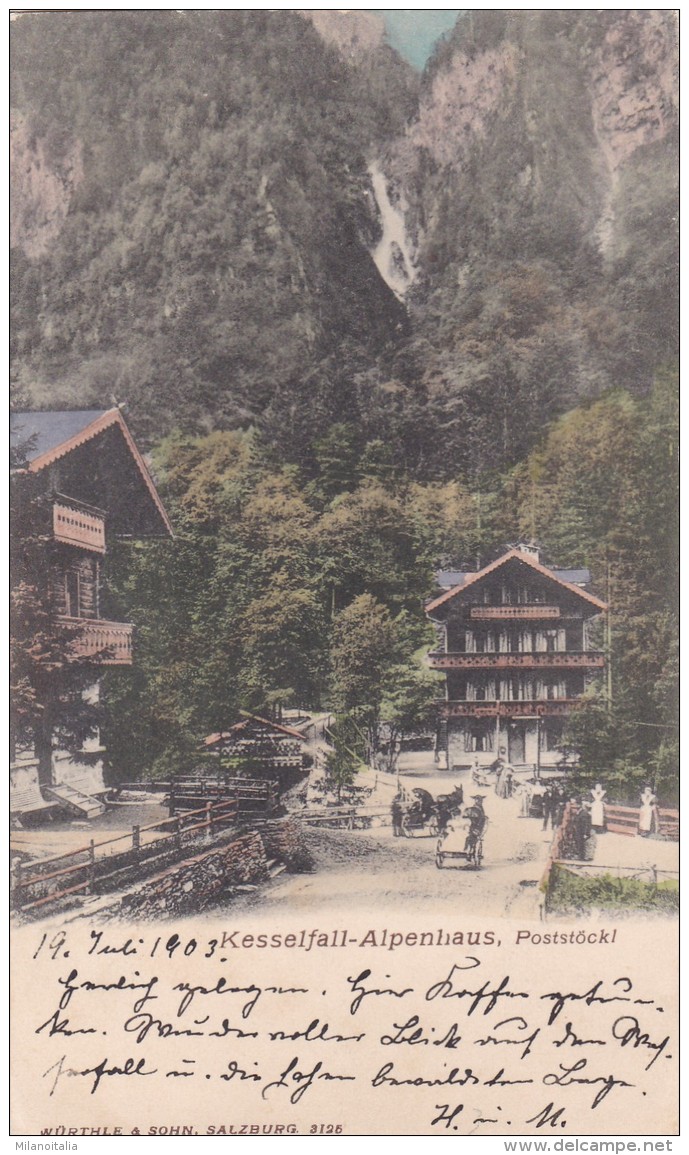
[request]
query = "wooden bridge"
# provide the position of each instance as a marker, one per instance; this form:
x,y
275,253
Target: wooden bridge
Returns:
x,y
193,790
252,795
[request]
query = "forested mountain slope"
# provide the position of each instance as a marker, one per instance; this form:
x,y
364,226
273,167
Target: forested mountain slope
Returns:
x,y
198,198
192,211
542,174
194,221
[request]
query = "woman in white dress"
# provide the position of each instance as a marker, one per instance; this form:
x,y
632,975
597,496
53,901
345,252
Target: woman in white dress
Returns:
x,y
647,813
598,808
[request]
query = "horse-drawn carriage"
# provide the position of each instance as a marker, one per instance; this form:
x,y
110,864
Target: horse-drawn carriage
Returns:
x,y
422,814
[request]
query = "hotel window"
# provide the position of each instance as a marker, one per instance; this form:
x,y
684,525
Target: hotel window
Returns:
x,y
72,594
478,738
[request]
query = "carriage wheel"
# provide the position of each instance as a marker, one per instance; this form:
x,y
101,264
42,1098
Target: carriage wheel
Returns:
x,y
439,856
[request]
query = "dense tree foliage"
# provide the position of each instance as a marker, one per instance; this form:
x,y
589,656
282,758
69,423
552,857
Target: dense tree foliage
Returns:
x,y
194,234
270,597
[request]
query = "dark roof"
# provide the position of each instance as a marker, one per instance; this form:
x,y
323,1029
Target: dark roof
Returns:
x,y
54,434
513,557
448,579
46,430
576,577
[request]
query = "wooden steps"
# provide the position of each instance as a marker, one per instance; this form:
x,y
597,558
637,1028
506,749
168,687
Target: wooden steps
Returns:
x,y
75,801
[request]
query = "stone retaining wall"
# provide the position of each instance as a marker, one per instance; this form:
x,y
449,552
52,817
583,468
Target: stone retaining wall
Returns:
x,y
201,881
198,882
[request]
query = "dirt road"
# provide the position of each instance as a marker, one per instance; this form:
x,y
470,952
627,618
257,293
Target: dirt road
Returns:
x,y
373,871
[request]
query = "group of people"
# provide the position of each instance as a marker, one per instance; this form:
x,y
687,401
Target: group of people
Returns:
x,y
553,799
648,810
588,817
580,840
504,775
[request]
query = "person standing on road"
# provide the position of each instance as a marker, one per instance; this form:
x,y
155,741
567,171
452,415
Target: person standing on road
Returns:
x,y
582,831
503,786
598,808
526,792
648,813
548,802
396,814
558,804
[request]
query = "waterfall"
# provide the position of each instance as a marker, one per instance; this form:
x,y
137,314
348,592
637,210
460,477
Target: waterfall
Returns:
x,y
393,254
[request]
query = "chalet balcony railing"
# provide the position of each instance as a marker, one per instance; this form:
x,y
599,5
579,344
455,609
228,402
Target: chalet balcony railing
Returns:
x,y
541,708
106,643
494,660
77,526
527,612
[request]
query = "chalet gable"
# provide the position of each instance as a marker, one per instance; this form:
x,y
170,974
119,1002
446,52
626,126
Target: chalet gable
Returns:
x,y
90,456
517,567
254,729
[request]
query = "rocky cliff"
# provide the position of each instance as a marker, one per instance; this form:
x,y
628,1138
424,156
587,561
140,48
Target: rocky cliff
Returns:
x,y
44,175
353,32
541,175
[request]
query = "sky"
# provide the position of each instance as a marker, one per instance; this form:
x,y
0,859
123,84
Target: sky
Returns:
x,y
413,32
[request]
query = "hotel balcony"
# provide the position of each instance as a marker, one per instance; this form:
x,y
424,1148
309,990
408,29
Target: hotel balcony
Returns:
x,y
516,612
80,525
493,660
104,643
541,708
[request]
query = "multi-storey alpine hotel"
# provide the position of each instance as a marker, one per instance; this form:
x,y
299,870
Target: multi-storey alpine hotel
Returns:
x,y
516,650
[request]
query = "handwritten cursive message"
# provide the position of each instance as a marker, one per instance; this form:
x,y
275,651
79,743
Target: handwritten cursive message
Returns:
x,y
182,1031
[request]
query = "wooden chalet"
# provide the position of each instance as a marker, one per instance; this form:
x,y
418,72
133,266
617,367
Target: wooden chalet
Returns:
x,y
260,747
78,481
515,647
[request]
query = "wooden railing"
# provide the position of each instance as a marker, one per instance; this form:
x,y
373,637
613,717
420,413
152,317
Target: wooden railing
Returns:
x,y
531,612
625,820
556,846
618,820
350,817
76,525
493,660
542,708
107,643
42,882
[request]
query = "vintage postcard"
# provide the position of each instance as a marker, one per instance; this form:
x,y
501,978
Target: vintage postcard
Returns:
x,y
344,767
